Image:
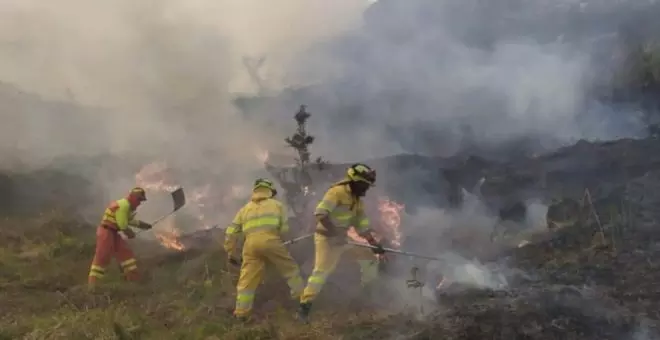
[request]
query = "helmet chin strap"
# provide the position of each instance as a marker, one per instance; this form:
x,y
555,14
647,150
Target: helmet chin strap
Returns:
x,y
358,189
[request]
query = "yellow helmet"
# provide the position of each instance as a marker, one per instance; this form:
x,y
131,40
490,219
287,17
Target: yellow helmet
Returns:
x,y
264,183
361,173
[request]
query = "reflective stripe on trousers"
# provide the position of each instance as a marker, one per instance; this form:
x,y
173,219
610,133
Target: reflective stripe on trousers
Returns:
x,y
128,265
244,302
316,282
296,285
97,271
326,257
259,249
108,245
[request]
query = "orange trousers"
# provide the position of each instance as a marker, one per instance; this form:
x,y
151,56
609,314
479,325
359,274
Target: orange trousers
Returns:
x,y
110,244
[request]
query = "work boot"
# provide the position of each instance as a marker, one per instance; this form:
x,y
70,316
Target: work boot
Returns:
x,y
303,311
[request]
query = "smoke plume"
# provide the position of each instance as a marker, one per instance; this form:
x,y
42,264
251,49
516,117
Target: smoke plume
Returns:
x,y
149,79
157,79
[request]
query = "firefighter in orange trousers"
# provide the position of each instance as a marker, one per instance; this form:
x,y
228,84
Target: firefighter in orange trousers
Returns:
x,y
119,216
262,220
340,208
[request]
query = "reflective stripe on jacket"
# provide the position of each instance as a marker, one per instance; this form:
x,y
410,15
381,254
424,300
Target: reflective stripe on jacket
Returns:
x,y
262,214
119,215
344,209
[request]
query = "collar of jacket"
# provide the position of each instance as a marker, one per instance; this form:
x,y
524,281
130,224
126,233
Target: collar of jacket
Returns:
x,y
261,194
345,183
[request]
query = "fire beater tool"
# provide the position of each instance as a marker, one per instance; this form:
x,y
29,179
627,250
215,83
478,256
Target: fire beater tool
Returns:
x,y
178,201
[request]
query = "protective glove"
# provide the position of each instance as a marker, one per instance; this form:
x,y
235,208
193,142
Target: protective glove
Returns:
x,y
234,262
130,234
144,225
378,249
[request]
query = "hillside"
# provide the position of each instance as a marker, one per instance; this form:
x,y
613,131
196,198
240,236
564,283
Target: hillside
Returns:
x,y
567,285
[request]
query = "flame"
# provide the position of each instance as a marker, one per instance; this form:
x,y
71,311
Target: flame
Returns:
x,y
389,226
153,176
205,203
156,177
391,219
170,239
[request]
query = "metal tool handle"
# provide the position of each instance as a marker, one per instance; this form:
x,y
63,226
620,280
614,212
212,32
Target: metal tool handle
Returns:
x,y
297,239
395,251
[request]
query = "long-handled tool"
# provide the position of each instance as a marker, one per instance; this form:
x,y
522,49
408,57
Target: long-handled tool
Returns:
x,y
400,252
297,239
178,201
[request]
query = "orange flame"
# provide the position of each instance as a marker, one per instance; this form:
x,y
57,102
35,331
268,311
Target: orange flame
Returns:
x,y
170,239
155,177
389,225
391,220
201,202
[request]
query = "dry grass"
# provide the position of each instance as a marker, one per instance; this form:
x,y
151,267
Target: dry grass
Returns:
x,y
44,263
43,269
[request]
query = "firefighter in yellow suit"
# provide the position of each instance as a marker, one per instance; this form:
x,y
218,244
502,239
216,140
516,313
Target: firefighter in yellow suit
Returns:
x,y
340,208
262,221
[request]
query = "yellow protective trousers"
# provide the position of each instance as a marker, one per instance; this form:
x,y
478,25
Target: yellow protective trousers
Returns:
x,y
326,258
261,248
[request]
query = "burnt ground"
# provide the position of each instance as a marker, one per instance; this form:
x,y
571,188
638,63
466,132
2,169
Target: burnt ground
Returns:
x,y
569,284
575,286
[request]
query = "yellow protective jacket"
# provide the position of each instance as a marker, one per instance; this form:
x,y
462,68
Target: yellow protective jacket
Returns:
x,y
343,208
263,216
119,215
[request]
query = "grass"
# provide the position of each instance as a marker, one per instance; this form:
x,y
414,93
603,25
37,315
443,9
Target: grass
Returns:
x,y
189,295
43,271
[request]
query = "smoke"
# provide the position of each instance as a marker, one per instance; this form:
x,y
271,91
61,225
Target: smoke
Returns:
x,y
157,78
148,80
440,77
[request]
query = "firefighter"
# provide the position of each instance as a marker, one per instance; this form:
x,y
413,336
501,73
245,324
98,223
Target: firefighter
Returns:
x,y
340,208
119,216
262,220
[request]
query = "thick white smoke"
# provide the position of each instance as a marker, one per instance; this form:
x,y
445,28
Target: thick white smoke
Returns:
x,y
154,79
155,75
